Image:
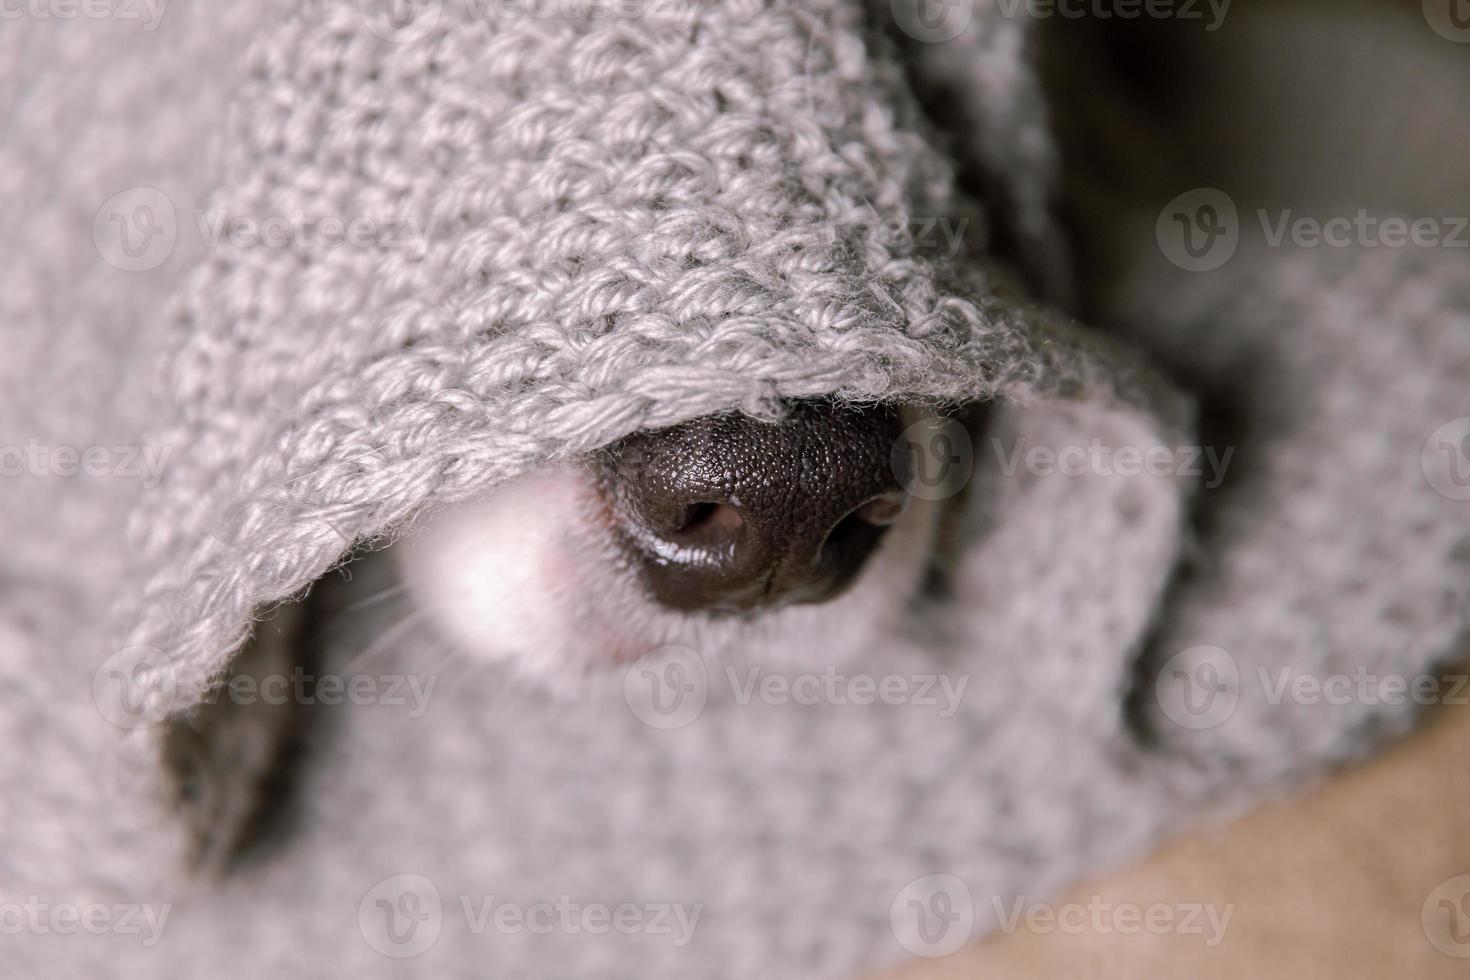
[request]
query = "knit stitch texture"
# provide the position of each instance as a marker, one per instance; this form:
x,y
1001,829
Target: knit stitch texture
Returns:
x,y
592,224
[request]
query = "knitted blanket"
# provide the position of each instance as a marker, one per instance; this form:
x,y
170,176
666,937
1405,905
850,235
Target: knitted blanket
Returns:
x,y
287,279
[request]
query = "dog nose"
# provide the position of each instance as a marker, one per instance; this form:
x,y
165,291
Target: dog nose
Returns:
x,y
727,514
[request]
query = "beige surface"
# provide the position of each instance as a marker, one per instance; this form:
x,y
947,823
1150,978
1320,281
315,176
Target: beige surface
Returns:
x,y
1333,886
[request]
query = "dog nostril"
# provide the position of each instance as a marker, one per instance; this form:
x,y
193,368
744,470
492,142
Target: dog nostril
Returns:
x,y
727,514
883,510
711,518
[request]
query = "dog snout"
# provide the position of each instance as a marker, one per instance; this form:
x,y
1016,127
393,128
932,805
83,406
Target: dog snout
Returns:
x,y
727,514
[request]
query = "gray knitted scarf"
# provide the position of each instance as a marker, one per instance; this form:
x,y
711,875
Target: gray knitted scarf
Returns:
x,y
512,238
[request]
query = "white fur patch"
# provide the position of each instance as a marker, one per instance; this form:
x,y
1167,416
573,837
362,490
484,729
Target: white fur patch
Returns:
x,y
529,573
